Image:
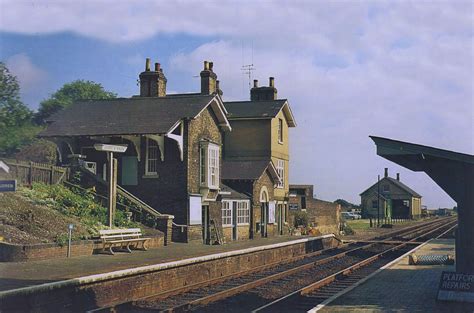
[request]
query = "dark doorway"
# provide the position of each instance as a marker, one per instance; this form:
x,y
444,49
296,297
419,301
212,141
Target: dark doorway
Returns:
x,y
205,224
400,209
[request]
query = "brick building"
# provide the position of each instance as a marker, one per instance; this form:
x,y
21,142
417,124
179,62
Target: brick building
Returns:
x,y
179,159
323,215
394,198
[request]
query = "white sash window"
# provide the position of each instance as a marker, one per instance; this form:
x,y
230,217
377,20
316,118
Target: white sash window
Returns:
x,y
152,152
209,165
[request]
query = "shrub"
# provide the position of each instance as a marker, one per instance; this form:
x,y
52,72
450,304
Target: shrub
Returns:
x,y
301,219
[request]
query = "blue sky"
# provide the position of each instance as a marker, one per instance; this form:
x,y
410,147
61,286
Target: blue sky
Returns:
x,y
350,69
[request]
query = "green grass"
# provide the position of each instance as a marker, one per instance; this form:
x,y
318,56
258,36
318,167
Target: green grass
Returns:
x,y
358,224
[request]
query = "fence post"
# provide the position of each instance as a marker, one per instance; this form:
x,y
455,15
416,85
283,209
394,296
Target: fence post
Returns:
x,y
51,175
30,175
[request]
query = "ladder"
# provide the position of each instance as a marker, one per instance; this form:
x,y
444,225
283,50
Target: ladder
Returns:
x,y
215,234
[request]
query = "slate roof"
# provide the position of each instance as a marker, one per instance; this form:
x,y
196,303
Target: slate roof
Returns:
x,y
245,170
233,193
124,116
398,184
249,109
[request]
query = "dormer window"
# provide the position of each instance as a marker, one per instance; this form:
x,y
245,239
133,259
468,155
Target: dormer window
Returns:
x,y
280,130
209,165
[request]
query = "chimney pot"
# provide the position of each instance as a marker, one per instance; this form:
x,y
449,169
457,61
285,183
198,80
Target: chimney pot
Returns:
x,y
157,67
217,85
272,81
398,176
211,65
386,172
147,64
255,83
206,65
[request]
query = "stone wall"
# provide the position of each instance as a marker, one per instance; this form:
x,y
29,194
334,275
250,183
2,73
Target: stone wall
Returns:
x,y
323,215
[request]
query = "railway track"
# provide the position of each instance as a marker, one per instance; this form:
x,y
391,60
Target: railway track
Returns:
x,y
297,283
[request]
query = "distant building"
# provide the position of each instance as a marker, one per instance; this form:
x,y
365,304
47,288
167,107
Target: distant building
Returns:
x,y
394,198
323,215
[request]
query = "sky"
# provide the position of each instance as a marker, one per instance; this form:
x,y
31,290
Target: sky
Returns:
x,y
349,69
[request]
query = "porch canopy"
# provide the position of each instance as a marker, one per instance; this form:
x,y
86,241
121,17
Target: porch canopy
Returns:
x,y
454,173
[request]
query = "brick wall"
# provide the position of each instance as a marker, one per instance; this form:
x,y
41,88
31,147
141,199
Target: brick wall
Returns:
x,y
324,215
25,253
109,292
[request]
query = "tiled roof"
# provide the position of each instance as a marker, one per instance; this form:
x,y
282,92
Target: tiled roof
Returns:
x,y
124,116
397,183
249,109
229,193
243,170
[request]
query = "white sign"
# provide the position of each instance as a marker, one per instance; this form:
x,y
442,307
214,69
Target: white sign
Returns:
x,y
271,212
195,210
110,148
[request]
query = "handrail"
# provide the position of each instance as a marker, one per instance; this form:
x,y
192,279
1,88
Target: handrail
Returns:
x,y
121,191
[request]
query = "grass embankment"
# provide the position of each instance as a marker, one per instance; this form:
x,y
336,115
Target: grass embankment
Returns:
x,y
42,215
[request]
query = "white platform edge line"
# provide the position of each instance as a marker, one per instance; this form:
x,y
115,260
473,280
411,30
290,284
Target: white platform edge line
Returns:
x,y
342,292
150,268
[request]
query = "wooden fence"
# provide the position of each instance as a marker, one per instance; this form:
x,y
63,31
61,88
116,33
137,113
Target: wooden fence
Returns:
x,y
27,173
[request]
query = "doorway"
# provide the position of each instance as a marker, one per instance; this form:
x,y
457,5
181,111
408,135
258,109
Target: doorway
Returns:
x,y
263,211
281,217
205,224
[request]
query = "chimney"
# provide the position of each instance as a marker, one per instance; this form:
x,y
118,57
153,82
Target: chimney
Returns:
x,y
386,172
208,79
218,88
263,93
147,64
152,83
398,176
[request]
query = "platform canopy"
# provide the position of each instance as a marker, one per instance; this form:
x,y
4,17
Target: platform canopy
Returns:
x,y
454,173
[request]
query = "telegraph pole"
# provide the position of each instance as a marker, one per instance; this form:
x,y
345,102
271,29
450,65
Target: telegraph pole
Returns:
x,y
378,201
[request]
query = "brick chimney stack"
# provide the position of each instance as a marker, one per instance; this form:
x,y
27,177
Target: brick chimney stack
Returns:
x,y
264,93
398,176
386,172
152,83
208,79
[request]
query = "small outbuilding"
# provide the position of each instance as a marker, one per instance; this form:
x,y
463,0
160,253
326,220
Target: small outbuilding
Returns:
x,y
390,198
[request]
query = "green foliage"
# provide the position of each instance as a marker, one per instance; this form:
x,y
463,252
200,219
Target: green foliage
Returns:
x,y
301,219
66,95
347,229
75,202
16,129
41,151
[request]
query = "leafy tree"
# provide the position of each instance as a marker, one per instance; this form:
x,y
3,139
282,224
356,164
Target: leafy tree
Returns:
x,y
67,94
16,128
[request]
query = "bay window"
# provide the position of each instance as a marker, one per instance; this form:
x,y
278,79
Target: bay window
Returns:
x,y
209,165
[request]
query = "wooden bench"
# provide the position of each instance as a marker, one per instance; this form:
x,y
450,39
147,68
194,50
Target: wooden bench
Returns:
x,y
122,238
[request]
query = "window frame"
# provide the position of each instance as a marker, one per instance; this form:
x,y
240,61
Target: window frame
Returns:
x,y
280,168
245,209
209,165
375,204
148,159
280,130
229,209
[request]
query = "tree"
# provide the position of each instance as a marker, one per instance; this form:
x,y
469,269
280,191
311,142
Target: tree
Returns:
x,y
16,129
69,93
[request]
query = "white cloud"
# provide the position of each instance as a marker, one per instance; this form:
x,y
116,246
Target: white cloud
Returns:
x,y
31,77
350,69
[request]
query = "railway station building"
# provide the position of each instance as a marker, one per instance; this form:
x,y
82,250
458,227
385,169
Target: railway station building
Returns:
x,y
182,159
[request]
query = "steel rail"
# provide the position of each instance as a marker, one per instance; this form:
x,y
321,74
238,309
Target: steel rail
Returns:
x,y
259,282
347,271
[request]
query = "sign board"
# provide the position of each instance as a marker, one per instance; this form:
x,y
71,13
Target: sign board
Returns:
x,y
456,287
293,206
110,148
7,185
4,167
195,210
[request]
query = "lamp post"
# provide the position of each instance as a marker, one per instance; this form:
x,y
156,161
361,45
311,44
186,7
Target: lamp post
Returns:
x,y
112,178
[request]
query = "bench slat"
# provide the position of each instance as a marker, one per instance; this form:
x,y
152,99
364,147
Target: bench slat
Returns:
x,y
119,231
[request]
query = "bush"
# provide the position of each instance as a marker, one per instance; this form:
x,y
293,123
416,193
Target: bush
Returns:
x,y
301,219
40,151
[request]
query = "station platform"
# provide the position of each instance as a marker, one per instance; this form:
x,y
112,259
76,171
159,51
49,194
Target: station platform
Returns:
x,y
401,287
14,275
